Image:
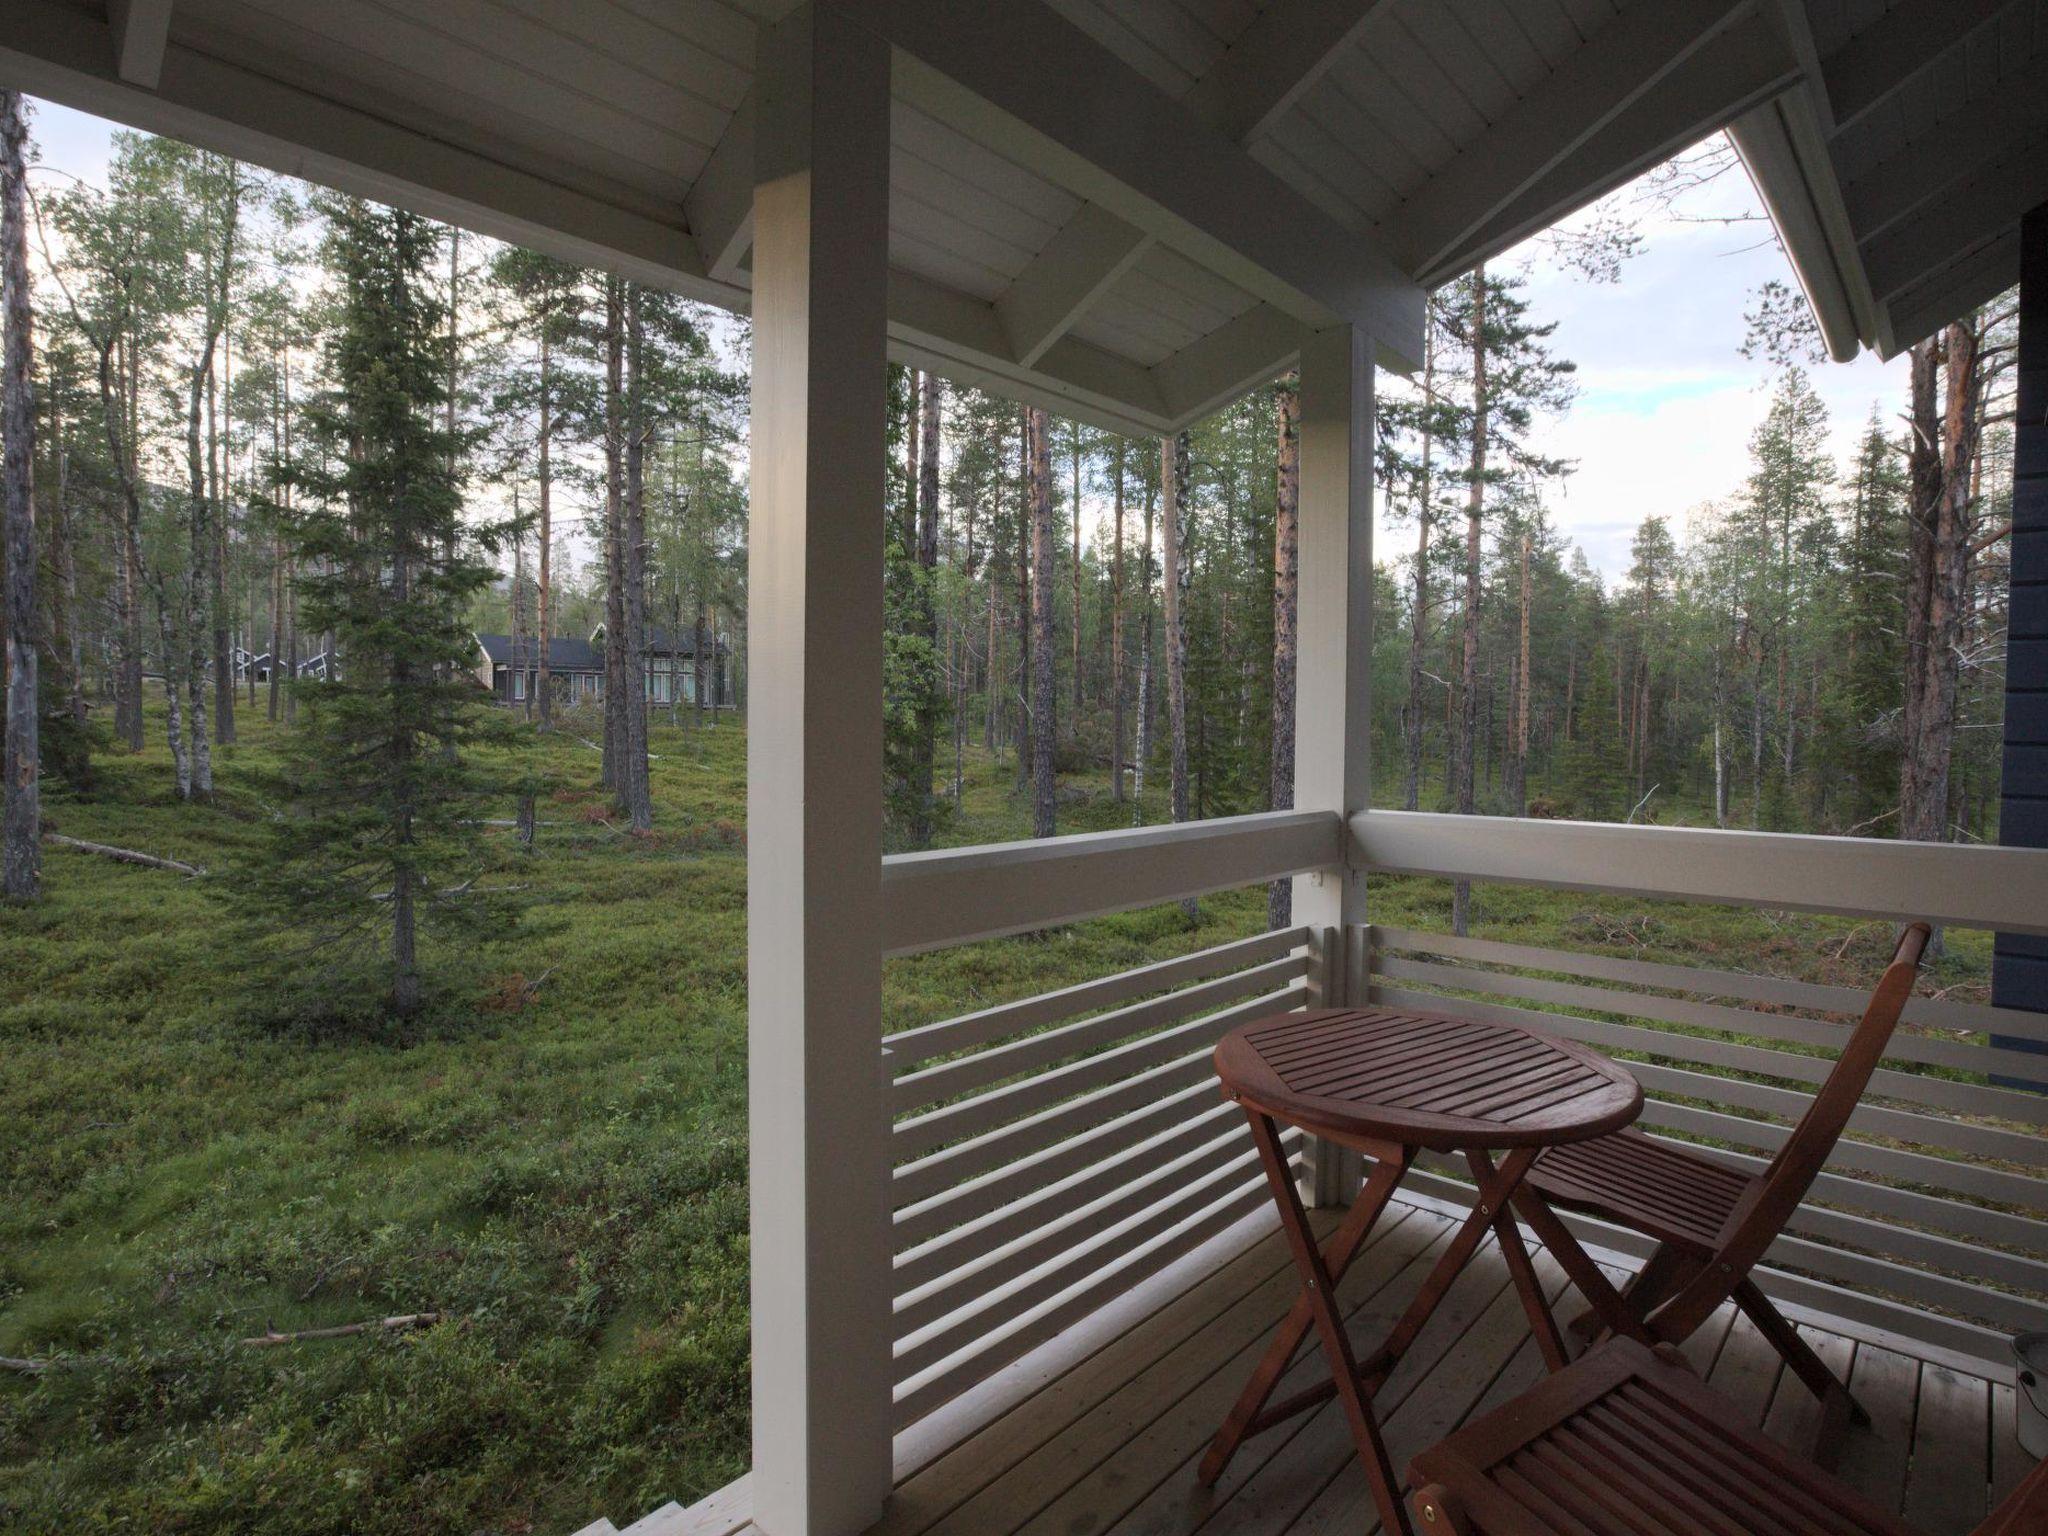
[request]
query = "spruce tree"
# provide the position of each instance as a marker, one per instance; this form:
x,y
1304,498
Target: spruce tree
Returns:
x,y
385,782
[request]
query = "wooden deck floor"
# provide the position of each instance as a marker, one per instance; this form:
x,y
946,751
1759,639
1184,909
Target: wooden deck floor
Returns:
x,y
1108,1446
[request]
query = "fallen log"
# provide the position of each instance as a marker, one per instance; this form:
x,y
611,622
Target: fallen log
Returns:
x,y
124,855
401,1322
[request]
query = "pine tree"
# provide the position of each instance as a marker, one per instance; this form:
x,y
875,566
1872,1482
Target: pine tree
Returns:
x,y
383,786
21,819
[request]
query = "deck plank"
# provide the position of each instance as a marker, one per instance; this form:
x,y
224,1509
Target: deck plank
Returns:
x,y
2009,1463
1947,1484
1794,1419
1873,1458
1223,1306
1302,1472
1746,1372
1116,1456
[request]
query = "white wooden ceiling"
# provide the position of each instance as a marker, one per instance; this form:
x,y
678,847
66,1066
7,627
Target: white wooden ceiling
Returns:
x,y
1129,210
1900,167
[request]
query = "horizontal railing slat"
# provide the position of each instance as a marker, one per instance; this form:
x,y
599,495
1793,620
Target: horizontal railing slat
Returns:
x,y
1936,1012
958,895
1972,885
963,1074
1939,1092
1007,1215
1872,1119
1012,1337
1144,1204
908,1047
921,1133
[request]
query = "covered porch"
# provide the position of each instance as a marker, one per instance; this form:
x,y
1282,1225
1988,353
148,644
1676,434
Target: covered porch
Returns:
x,y
1006,1266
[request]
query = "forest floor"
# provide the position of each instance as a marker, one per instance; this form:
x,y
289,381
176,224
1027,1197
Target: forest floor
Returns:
x,y
554,1159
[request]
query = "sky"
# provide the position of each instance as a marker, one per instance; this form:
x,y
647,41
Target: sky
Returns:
x,y
1666,401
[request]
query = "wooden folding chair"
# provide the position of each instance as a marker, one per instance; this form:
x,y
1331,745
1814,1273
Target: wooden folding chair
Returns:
x,y
1711,1222
1627,1440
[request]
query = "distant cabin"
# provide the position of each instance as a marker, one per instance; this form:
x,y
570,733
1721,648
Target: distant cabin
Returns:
x,y
576,668
259,665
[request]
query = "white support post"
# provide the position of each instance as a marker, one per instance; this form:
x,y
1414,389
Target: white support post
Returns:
x,y
1333,700
816,1108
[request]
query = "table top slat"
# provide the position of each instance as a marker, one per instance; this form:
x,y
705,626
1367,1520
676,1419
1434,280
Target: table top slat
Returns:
x,y
1425,1079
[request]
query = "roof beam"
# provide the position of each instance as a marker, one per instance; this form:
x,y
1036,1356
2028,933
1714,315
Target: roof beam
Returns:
x,y
1275,62
1621,63
1974,210
1238,355
719,206
142,30
1905,40
1928,166
1955,290
1113,138
1737,68
1092,250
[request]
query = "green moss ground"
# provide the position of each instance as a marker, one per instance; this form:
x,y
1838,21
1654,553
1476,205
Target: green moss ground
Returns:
x,y
560,1170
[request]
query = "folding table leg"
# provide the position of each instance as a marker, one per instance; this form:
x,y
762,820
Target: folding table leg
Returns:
x,y
1494,1190
1615,1313
1497,1190
1322,1300
1337,1255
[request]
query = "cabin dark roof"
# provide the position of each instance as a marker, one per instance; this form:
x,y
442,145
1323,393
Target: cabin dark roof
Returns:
x,y
568,654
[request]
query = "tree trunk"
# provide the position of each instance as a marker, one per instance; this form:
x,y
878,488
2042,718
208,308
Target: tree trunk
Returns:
x,y
1038,430
1475,516
1025,726
925,746
220,464
614,515
1286,591
1174,472
635,792
1519,789
1418,619
1116,636
544,618
199,546
21,816
1080,701
1143,754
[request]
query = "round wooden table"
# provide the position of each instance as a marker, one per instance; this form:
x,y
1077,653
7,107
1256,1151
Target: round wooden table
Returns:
x,y
1391,1084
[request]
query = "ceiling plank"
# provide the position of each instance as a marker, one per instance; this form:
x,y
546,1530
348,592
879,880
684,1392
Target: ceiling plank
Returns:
x,y
1954,291
1739,68
1092,250
142,30
1976,209
1620,64
1111,137
1906,39
719,206
1238,355
1929,165
1275,62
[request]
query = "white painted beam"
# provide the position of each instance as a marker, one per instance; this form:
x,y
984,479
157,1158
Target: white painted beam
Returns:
x,y
1905,40
1950,293
1276,61
1738,68
1975,210
1628,58
1025,81
817,1117
1238,355
1078,265
958,895
1973,885
719,206
1927,166
142,30
1822,259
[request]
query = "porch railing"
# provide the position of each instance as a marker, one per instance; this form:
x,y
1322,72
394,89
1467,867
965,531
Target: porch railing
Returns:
x,y
1051,1153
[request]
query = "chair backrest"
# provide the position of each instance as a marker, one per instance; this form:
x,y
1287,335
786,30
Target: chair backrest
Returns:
x,y
1762,1213
1799,1161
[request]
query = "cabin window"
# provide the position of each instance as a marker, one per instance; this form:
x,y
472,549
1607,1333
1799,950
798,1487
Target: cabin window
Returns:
x,y
518,685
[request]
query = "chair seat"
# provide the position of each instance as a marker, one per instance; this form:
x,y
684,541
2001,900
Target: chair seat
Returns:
x,y
1656,1187
1626,1441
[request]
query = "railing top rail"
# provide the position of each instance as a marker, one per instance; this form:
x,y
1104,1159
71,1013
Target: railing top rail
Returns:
x,y
959,895
1968,885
